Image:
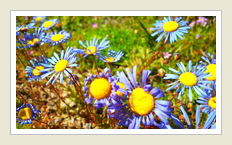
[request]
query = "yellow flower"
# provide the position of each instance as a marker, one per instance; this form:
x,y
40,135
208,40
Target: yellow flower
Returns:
x,y
100,88
25,113
61,65
211,68
37,19
170,26
121,85
36,71
188,79
141,102
24,28
57,37
47,24
212,102
33,42
110,59
91,50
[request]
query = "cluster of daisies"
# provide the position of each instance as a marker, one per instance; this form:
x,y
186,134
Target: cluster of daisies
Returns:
x,y
130,99
202,79
39,37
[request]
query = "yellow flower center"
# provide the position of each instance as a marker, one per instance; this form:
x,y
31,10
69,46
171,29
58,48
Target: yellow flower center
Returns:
x,y
37,19
190,105
25,113
91,50
141,102
57,24
33,41
24,28
121,85
110,59
170,26
57,37
212,102
36,71
61,65
47,24
188,79
29,43
211,68
100,88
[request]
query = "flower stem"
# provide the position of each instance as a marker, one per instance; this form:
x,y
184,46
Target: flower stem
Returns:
x,y
20,60
61,46
23,55
41,50
95,62
151,60
21,97
75,84
33,95
43,122
27,57
61,97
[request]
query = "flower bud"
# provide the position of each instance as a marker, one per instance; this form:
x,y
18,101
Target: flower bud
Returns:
x,y
177,56
161,72
165,61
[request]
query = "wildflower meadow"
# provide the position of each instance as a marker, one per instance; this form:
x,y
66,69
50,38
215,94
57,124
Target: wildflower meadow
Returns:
x,y
115,72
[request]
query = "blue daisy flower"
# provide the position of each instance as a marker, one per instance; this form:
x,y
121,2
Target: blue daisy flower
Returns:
x,y
113,56
57,38
211,121
209,58
32,40
213,126
171,29
39,19
33,72
27,36
24,28
49,24
98,89
186,118
210,65
93,47
26,114
188,79
58,66
139,102
17,31
208,103
162,125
